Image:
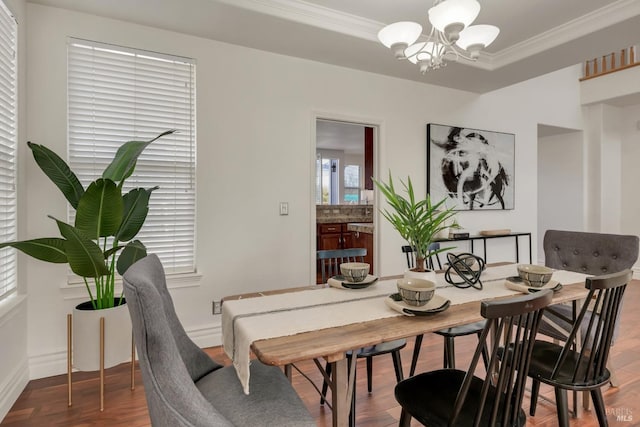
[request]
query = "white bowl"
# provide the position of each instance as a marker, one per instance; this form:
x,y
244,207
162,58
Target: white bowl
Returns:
x,y
416,292
535,275
354,271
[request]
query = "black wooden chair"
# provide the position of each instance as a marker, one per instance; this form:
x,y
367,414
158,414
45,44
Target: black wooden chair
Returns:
x,y
330,261
449,334
411,259
448,397
585,369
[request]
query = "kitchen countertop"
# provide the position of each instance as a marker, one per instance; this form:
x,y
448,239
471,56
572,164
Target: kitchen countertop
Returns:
x,y
341,220
362,227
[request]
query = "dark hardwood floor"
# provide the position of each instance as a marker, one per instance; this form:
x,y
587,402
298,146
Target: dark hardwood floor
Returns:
x,y
44,401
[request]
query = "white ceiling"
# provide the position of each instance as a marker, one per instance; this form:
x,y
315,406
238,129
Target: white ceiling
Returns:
x,y
536,37
340,136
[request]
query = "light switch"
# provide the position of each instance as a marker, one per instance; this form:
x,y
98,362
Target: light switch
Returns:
x,y
284,208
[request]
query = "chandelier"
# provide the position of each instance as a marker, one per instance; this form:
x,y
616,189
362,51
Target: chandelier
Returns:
x,y
451,35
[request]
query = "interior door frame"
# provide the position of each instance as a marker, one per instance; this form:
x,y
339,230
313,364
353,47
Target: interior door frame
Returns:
x,y
378,143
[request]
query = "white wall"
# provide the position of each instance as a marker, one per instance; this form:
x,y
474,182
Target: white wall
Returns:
x,y
560,184
551,99
256,114
630,209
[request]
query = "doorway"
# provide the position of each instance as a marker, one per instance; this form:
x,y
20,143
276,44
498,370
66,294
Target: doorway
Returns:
x,y
343,186
561,178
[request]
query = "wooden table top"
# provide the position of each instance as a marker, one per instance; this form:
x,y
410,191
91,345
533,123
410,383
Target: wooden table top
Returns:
x,y
332,343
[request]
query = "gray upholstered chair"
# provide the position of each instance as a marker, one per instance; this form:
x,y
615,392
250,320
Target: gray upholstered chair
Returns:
x,y
589,253
583,252
183,386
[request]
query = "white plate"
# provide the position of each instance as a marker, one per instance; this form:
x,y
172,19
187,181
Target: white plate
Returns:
x,y
520,286
342,282
435,305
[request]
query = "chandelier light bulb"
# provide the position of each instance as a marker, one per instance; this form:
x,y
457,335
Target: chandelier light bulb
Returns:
x,y
399,35
482,35
459,12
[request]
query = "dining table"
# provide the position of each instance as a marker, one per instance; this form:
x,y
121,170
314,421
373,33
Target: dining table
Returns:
x,y
285,326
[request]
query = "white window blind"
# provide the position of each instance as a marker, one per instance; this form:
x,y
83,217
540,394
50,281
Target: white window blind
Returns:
x,y
117,94
8,143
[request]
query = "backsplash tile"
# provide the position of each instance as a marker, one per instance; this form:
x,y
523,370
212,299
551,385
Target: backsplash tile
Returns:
x,y
344,213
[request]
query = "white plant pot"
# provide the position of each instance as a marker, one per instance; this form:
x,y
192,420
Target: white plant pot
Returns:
x,y
443,234
86,336
426,275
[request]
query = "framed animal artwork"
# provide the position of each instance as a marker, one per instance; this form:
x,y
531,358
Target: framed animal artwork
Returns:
x,y
473,169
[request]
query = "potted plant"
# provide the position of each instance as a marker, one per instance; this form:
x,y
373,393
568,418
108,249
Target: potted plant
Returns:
x,y
101,241
417,221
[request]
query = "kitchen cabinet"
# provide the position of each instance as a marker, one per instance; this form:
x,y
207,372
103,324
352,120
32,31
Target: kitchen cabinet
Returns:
x,y
364,240
331,236
334,236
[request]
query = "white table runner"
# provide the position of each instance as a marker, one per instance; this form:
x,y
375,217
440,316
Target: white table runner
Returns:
x,y
247,320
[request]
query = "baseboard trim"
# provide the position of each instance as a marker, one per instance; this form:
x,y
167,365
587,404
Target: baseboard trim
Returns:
x,y
12,388
55,363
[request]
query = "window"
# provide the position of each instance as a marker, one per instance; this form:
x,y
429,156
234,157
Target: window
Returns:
x,y
116,94
352,184
8,145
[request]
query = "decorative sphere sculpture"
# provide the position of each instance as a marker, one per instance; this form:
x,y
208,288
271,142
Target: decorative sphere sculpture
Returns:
x,y
468,268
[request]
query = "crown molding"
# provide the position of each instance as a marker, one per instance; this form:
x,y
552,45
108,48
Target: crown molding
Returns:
x,y
356,26
315,15
597,20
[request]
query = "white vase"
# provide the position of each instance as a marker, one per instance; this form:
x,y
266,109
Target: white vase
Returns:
x,y
425,275
86,336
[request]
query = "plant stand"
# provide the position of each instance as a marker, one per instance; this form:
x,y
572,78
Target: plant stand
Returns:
x,y
102,349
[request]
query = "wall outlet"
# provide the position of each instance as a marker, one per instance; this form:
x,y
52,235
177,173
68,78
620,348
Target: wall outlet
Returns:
x,y
217,307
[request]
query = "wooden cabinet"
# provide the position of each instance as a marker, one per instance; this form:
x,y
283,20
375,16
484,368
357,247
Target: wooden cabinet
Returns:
x,y
337,236
368,158
364,240
334,236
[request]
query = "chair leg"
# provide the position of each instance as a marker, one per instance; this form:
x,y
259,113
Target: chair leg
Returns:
x,y
449,353
598,404
535,389
405,419
369,373
485,352
397,364
325,386
562,406
416,354
352,412
613,379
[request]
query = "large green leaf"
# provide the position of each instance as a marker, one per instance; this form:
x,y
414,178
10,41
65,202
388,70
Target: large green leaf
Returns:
x,y
50,249
136,207
133,252
100,209
59,172
124,162
84,256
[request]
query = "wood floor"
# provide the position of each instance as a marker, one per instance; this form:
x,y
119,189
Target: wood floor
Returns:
x,y
44,401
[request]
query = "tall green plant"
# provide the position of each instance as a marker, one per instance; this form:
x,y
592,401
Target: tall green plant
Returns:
x,y
417,221
101,241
